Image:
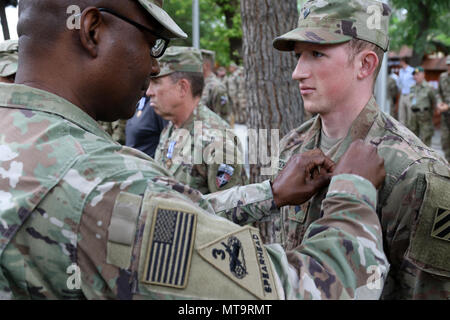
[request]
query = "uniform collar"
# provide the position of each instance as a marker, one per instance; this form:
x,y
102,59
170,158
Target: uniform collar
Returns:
x,y
423,84
358,130
189,123
20,96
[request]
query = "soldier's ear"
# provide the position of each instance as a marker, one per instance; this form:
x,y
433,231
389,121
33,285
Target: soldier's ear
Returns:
x,y
367,64
184,87
90,22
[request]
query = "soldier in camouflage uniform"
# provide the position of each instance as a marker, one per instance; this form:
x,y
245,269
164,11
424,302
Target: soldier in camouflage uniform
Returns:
x,y
443,107
392,92
8,60
235,84
423,103
214,95
193,127
413,202
84,217
115,129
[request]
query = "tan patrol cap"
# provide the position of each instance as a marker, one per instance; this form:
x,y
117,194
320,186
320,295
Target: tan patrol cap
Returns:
x,y
180,59
208,54
9,57
338,21
172,30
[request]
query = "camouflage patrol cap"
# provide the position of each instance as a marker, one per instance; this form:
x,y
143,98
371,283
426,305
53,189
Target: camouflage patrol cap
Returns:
x,y
180,59
171,29
208,54
8,57
338,21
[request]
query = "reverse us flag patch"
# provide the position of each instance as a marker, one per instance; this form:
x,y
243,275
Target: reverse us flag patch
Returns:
x,y
170,248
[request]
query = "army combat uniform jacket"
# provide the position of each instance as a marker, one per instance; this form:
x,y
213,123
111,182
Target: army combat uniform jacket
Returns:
x,y
444,96
196,153
423,101
413,204
215,97
235,84
84,217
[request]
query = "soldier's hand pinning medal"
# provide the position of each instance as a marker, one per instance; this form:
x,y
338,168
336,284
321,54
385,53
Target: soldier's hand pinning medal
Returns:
x,y
302,177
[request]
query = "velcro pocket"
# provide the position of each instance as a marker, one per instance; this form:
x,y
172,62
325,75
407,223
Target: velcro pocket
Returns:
x,y
122,229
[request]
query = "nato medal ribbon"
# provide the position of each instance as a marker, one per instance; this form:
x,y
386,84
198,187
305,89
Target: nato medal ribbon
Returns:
x,y
171,149
141,107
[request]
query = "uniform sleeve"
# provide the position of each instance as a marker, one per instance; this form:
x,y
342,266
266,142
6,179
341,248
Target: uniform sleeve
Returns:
x,y
341,255
229,170
421,203
244,204
158,244
154,242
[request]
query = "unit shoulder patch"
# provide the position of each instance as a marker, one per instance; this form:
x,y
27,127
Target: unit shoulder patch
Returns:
x,y
242,257
441,227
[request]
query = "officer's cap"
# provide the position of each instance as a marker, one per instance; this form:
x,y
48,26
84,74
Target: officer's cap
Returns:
x,y
171,29
418,69
338,21
180,59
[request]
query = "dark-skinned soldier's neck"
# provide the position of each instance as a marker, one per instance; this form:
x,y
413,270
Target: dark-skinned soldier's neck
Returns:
x,y
42,86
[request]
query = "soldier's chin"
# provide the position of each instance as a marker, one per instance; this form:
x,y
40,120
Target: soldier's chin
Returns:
x,y
155,107
128,112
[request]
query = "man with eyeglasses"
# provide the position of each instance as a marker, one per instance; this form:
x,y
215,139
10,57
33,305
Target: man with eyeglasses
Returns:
x,y
83,217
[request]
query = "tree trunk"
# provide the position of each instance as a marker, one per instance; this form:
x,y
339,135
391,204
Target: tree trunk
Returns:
x,y
273,98
274,102
4,22
421,39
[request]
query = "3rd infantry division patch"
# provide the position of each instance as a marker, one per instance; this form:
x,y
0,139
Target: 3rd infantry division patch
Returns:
x,y
441,227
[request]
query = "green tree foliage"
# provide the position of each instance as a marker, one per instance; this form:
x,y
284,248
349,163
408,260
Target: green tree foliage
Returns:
x,y
420,24
220,26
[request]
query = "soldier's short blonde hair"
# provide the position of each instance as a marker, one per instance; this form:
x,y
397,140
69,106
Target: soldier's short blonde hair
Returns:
x,y
356,46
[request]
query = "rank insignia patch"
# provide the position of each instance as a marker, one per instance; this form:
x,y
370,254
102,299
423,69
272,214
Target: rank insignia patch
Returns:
x,y
170,248
224,175
441,227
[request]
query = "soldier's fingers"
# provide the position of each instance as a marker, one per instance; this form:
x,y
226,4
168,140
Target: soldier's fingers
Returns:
x,y
328,164
319,181
314,163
